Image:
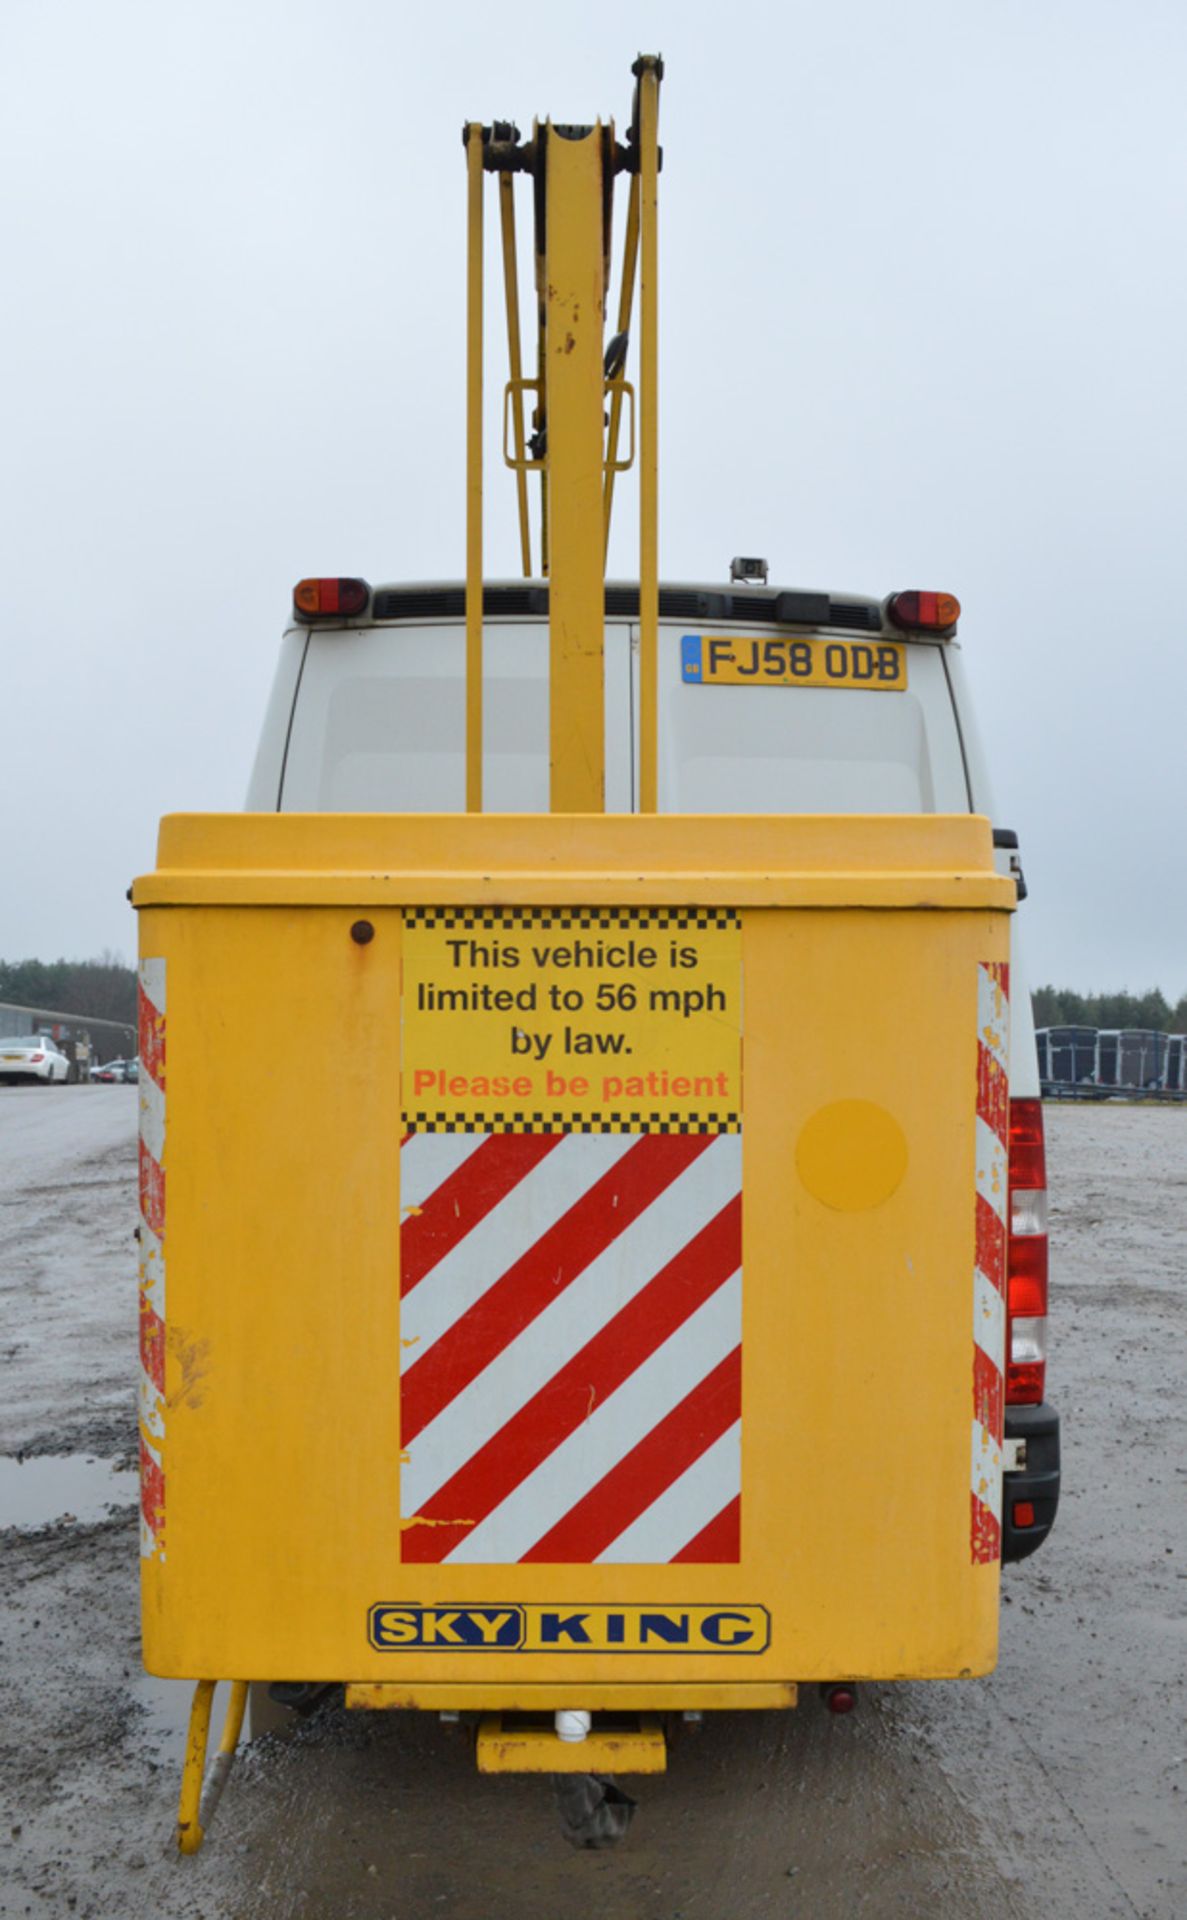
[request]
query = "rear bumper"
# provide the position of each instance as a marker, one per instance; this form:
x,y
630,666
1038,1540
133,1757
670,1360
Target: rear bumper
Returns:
x,y
1035,1484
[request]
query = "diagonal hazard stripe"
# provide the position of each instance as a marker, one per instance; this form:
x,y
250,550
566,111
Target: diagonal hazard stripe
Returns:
x,y
152,1192
987,1533
469,1343
988,1394
614,1425
465,1198
704,1487
568,1323
697,1271
720,1542
992,1173
150,1021
648,1469
993,1093
152,1345
428,1159
991,1244
542,1198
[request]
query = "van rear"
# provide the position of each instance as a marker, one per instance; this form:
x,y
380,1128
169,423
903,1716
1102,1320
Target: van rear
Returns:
x,y
770,701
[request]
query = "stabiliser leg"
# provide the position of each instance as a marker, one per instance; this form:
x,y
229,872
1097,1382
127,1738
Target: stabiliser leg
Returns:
x,y
195,1813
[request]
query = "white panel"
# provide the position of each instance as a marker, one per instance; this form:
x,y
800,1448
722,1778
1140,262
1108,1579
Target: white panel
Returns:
x,y
152,979
380,722
989,1319
808,749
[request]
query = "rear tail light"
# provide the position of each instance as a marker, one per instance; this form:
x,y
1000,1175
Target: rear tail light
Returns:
x,y
37,1056
1026,1257
917,612
330,599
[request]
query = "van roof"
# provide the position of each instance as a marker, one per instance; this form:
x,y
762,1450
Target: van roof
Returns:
x,y
700,601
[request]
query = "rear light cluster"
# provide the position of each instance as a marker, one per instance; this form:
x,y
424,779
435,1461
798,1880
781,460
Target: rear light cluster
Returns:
x,y
330,599
1026,1257
916,612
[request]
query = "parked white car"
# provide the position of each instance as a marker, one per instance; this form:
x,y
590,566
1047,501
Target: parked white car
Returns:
x,y
32,1056
116,1070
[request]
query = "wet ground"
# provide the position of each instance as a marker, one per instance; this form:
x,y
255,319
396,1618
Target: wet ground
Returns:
x,y
1058,1787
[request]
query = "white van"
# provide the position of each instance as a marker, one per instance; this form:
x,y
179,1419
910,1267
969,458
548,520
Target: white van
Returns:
x,y
367,714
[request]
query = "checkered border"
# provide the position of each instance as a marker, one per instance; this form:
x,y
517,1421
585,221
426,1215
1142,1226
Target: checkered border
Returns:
x,y
571,919
470,1121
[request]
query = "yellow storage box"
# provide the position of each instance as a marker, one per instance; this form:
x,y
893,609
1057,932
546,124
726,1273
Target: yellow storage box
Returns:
x,y
564,1254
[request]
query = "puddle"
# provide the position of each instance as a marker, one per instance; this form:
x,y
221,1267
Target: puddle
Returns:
x,y
76,1486
166,1705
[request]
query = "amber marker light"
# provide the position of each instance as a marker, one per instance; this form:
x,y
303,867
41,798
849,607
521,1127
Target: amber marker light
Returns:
x,y
330,599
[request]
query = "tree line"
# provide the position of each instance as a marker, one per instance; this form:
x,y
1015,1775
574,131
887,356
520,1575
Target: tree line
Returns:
x,y
104,988
1061,1007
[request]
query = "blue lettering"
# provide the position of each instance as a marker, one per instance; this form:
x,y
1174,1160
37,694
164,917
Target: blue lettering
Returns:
x,y
571,1626
660,1626
723,1630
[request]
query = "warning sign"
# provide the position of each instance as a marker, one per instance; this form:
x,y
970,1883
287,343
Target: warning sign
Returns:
x,y
575,1019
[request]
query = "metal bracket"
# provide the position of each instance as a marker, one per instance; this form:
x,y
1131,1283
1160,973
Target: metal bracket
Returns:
x,y
616,387
632,1743
1013,1456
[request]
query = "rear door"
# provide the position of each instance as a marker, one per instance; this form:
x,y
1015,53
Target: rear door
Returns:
x,y
379,720
770,747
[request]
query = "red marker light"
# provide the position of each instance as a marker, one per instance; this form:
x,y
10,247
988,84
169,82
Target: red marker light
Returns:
x,y
327,599
917,612
1024,1513
840,1699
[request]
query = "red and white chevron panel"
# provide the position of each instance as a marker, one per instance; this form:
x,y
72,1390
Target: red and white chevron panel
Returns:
x,y
989,1277
152,1258
571,1326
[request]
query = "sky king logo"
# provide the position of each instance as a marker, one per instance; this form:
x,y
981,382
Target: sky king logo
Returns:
x,y
495,1628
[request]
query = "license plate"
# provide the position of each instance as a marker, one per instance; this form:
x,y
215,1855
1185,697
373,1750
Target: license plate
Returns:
x,y
716,660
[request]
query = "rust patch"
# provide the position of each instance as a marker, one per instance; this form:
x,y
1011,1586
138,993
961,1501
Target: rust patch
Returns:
x,y
192,1359
418,1520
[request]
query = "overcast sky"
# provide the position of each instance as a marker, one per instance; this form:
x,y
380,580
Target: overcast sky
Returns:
x,y
923,323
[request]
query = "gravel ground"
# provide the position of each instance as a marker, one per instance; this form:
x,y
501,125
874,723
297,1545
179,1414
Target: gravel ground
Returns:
x,y
1057,1786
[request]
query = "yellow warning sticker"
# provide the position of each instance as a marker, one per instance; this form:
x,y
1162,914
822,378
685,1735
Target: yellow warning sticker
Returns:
x,y
581,1019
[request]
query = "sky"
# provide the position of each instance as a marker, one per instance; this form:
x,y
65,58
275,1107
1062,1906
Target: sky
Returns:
x,y
922,319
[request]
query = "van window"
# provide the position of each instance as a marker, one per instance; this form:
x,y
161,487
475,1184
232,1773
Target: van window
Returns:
x,y
778,749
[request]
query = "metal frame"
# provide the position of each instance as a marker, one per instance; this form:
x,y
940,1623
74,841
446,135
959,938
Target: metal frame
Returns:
x,y
578,394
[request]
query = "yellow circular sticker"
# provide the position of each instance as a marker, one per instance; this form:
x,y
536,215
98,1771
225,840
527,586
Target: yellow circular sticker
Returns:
x,y
851,1155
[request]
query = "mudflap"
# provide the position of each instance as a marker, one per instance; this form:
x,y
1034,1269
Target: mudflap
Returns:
x,y
594,1811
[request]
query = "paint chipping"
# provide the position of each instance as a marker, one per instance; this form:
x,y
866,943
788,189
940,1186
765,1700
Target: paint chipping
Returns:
x,y
192,1357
